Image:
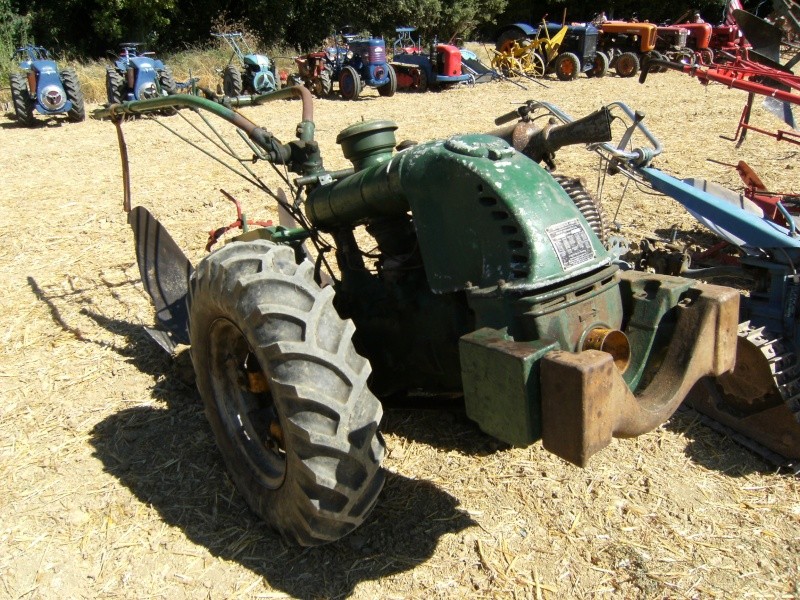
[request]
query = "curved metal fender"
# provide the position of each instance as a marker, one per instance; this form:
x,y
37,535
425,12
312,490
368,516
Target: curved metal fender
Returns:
x,y
586,402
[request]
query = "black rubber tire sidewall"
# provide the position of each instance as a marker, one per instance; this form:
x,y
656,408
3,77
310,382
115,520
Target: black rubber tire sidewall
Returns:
x,y
72,89
234,284
23,103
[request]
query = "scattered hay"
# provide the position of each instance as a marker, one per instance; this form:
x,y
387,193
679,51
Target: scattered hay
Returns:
x,y
110,483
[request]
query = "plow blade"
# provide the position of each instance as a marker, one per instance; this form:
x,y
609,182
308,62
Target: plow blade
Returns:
x,y
165,273
764,37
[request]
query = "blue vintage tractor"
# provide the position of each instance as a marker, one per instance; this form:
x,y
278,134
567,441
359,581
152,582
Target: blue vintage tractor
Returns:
x,y
354,62
137,76
365,64
43,88
255,73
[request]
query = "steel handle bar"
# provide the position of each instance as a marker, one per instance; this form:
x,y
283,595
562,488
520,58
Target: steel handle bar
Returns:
x,y
637,156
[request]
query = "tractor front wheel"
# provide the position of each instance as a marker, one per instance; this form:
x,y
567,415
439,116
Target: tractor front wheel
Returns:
x,y
627,64
72,89
599,66
232,81
23,103
567,66
349,83
285,391
115,86
389,89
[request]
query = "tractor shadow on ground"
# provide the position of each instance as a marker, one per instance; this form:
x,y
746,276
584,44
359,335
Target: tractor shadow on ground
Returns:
x,y
166,455
168,459
714,450
437,421
40,123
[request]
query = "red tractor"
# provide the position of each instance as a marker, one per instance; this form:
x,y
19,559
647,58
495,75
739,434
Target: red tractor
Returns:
x,y
419,70
671,43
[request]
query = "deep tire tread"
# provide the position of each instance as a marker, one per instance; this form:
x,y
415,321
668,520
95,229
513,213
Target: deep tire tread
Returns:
x,y
318,382
72,89
23,103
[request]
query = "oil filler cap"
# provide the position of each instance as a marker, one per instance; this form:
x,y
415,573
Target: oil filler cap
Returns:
x,y
480,146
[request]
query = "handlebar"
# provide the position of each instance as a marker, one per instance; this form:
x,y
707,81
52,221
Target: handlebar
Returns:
x,y
636,156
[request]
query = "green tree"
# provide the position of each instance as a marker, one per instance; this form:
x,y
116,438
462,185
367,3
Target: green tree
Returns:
x,y
14,31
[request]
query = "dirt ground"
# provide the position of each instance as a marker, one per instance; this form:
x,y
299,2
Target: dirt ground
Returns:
x,y
110,482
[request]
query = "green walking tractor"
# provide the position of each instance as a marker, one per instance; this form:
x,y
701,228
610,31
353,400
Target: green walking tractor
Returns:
x,y
486,277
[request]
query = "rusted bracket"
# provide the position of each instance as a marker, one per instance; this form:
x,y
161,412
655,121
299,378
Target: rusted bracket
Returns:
x,y
586,402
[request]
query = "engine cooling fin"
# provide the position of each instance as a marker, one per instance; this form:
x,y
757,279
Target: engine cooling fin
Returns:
x,y
590,207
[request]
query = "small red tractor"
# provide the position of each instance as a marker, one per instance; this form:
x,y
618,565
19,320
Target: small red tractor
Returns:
x,y
419,70
671,43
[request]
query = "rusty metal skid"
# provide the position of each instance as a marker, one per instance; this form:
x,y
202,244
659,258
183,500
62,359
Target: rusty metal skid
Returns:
x,y
586,402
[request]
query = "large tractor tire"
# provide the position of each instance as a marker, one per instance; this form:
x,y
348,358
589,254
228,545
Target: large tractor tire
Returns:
x,y
389,89
590,207
599,66
23,103
276,76
321,86
627,64
422,84
644,62
166,81
232,81
115,86
349,83
72,88
285,391
567,66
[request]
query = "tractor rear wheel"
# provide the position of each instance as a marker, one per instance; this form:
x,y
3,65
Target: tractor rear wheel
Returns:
x,y
232,81
72,88
505,42
322,86
349,83
166,81
389,89
115,86
627,64
567,66
285,391
599,66
422,80
23,103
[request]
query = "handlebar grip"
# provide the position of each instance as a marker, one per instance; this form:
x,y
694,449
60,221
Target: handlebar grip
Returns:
x,y
590,129
508,117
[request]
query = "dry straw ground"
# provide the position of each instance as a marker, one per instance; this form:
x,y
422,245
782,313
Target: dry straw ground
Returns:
x,y
110,483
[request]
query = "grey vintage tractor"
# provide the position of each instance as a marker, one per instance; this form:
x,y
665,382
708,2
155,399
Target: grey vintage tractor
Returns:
x,y
136,75
40,87
251,73
484,277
